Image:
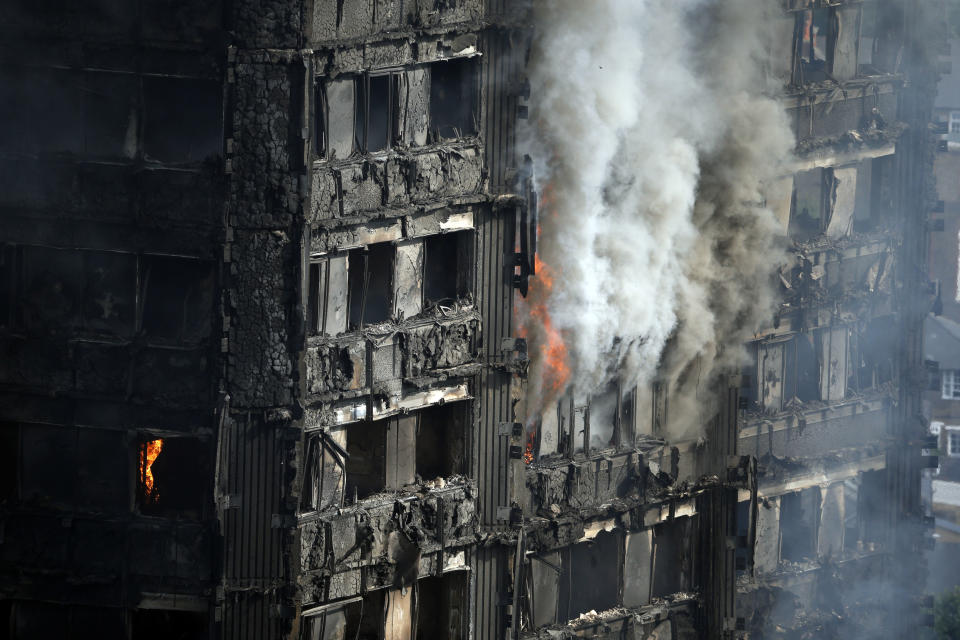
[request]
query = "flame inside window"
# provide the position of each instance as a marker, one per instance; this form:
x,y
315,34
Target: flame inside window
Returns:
x,y
148,455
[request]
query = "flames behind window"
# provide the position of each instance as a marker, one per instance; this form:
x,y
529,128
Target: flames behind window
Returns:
x,y
172,476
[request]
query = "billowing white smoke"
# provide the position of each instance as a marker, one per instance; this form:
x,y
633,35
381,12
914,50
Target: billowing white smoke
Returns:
x,y
652,139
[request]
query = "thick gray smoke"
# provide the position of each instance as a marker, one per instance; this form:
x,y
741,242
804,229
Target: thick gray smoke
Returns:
x,y
652,138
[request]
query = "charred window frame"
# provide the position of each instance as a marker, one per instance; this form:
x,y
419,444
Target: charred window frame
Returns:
x,y
324,474
175,299
172,476
810,203
441,607
374,112
370,284
111,115
454,98
952,436
327,284
799,524
813,39
591,575
392,453
447,265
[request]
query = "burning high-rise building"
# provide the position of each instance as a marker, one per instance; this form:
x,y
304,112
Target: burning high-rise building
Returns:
x,y
463,319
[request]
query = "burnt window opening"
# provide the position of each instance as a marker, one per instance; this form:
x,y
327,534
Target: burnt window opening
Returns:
x,y
875,357
27,620
358,619
158,624
6,620
603,418
874,197
813,45
801,369
382,455
445,278
9,461
172,476
324,474
808,208
743,549
748,377
441,440
374,112
543,591
799,520
441,603
851,513
327,289
453,98
177,297
369,283
181,119
590,575
99,114
671,559
8,284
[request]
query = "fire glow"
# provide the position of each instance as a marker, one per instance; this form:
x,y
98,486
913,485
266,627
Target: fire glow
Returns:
x,y
148,455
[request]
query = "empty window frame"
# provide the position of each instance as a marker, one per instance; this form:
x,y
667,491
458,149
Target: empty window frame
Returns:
x,y
446,275
591,575
799,522
111,115
158,624
382,455
355,114
370,276
442,440
172,476
324,474
453,98
355,619
327,289
26,620
810,206
441,604
177,298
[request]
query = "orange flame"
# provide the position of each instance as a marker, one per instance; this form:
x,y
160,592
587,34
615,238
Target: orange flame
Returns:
x,y
548,340
148,455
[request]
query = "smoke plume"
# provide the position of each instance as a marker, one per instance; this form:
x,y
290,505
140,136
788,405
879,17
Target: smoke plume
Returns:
x,y
653,136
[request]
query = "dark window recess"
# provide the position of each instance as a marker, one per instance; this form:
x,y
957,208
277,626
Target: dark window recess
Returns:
x,y
872,505
182,119
444,274
748,379
671,568
39,620
52,288
441,607
590,575
41,111
453,98
851,513
8,274
799,515
319,117
172,476
324,472
742,550
441,446
314,284
109,296
9,460
877,352
374,112
382,455
156,624
801,377
371,271
177,298
49,464
807,210
111,115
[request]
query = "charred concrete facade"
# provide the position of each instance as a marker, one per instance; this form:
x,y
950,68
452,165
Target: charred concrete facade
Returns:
x,y
261,366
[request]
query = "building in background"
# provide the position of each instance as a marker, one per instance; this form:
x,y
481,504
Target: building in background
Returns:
x,y
258,270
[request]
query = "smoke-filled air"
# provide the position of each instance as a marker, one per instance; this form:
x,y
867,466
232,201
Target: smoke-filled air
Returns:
x,y
653,135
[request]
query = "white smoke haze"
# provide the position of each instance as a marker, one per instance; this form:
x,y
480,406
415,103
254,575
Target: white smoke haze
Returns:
x,y
653,135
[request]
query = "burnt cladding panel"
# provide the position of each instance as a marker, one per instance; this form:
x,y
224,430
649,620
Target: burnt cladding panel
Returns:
x,y
491,584
495,296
